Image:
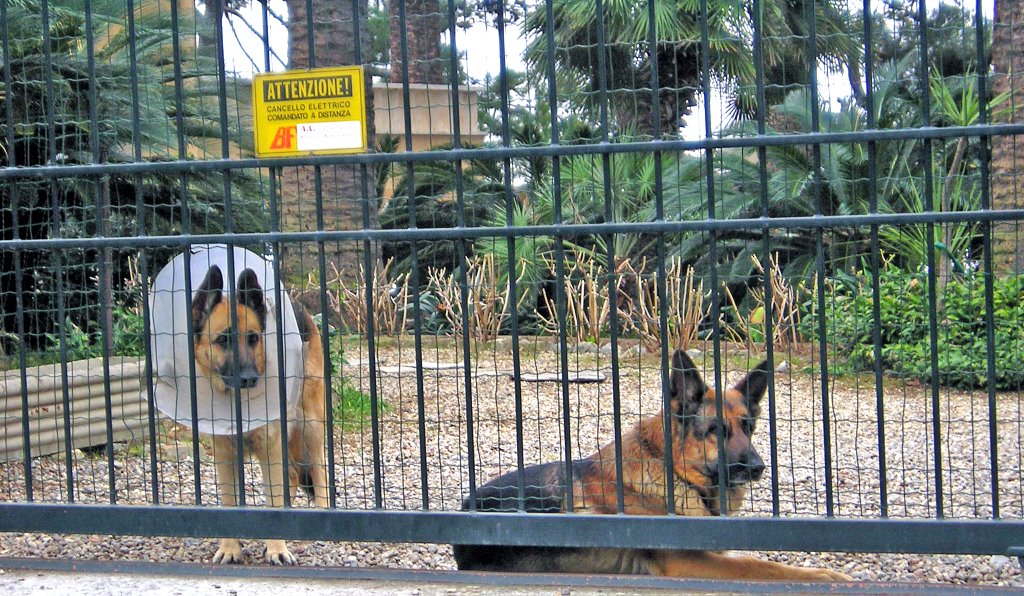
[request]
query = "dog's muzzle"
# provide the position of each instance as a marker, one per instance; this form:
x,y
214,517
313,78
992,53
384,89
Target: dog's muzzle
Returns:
x,y
748,468
246,379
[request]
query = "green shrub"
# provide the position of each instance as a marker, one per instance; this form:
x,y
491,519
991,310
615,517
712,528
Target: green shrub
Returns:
x,y
77,344
350,407
904,307
129,333
128,336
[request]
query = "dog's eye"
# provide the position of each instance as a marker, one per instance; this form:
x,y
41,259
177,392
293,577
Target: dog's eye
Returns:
x,y
252,339
222,340
711,430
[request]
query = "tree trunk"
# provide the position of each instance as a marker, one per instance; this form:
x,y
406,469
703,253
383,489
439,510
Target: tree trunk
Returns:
x,y
1008,63
422,33
342,187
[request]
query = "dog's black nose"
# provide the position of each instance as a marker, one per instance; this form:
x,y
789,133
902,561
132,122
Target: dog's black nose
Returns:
x,y
248,379
749,467
755,466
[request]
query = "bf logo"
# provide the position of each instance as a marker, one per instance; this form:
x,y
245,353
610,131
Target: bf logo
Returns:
x,y
283,138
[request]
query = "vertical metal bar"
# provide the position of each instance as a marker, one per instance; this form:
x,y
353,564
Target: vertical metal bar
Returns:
x,y
186,262
12,157
410,174
411,186
716,340
566,420
660,282
609,216
275,225
58,260
229,228
933,324
769,303
325,336
371,347
560,297
368,265
986,234
467,375
325,347
62,346
147,375
876,307
826,408
460,199
105,349
232,290
282,380
102,205
186,230
513,291
140,227
880,411
191,330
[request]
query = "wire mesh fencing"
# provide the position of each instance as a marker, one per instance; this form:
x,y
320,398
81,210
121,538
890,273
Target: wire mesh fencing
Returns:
x,y
556,197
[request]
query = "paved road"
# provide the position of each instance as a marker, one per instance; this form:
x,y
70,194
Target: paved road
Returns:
x,y
54,583
52,577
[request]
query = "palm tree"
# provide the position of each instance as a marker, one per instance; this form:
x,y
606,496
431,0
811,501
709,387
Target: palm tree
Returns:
x,y
422,35
631,179
1008,62
438,205
793,190
787,52
327,37
629,58
841,185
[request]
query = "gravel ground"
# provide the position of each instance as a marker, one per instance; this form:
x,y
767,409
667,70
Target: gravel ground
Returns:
x,y
799,466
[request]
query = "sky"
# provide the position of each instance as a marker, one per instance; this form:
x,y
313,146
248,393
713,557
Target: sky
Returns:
x,y
479,60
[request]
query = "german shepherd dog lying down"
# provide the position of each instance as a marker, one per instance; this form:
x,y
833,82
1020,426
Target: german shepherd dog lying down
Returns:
x,y
695,479
215,342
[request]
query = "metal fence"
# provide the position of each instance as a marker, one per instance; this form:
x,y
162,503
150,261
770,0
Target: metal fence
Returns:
x,y
552,202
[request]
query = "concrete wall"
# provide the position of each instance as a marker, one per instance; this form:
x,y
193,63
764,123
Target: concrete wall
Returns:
x,y
431,110
86,390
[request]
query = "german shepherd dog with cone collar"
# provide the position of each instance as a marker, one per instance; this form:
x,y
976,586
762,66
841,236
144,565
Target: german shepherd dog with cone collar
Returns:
x,y
695,451
216,342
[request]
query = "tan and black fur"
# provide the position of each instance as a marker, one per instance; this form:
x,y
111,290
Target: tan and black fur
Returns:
x,y
214,341
695,479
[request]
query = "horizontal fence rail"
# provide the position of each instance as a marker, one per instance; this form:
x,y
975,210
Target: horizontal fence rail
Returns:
x,y
660,227
552,150
626,531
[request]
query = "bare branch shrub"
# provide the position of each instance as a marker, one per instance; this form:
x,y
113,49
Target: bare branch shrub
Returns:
x,y
487,298
587,307
390,301
684,307
785,314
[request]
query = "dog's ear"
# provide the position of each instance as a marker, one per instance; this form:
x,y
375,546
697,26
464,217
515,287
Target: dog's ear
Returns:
x,y
251,294
753,387
686,385
207,296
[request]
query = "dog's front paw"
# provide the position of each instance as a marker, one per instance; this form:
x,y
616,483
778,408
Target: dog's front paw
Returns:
x,y
230,551
827,575
278,553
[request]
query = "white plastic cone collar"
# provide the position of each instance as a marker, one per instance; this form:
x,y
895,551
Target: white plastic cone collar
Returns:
x,y
169,315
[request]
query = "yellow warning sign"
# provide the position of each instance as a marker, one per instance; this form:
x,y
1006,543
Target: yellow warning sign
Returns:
x,y
319,111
